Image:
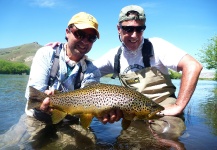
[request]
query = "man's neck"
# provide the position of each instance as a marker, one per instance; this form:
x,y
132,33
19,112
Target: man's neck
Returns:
x,y
70,55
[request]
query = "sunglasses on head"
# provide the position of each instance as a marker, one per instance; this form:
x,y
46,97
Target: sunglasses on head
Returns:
x,y
79,34
131,29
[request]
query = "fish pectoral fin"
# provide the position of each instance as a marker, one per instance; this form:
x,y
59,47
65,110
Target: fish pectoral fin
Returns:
x,y
57,116
85,120
125,123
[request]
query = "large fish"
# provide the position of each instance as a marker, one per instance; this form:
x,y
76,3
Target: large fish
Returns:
x,y
95,100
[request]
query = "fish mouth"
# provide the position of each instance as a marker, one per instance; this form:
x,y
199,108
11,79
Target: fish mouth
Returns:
x,y
153,114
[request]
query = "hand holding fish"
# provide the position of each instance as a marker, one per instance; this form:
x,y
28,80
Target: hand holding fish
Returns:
x,y
45,106
46,102
112,116
172,110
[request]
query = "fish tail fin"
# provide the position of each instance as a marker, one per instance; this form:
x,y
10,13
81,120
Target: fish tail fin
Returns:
x,y
35,98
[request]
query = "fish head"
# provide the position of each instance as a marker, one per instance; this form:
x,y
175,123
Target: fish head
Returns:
x,y
155,108
147,109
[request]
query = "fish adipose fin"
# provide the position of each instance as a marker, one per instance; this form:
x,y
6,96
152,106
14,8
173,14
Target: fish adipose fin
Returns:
x,y
85,120
35,98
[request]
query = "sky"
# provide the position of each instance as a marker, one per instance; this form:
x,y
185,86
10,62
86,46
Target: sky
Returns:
x,y
188,24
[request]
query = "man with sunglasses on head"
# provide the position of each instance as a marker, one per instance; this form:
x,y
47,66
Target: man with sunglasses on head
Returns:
x,y
143,65
73,66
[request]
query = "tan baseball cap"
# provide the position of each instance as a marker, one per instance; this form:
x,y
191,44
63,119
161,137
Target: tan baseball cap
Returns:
x,y
84,20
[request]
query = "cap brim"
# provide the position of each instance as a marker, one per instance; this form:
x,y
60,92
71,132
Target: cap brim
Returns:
x,y
86,26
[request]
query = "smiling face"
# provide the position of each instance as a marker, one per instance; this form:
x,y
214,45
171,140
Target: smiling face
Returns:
x,y
79,43
133,39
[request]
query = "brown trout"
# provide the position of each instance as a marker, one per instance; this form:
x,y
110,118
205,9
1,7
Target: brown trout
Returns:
x,y
95,100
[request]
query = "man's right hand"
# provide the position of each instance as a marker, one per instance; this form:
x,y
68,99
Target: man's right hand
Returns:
x,y
45,106
46,102
43,114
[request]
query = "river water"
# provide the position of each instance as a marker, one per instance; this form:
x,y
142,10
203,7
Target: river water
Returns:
x,y
200,119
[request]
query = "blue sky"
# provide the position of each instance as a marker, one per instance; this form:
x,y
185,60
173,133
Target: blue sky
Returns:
x,y
188,24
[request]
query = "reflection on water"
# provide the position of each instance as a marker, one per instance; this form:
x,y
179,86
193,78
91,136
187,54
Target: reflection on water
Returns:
x,y
200,118
210,110
199,132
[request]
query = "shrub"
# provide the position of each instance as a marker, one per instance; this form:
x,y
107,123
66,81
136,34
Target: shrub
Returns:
x,y
7,67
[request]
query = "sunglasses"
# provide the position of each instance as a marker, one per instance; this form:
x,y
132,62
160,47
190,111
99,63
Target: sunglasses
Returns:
x,y
131,29
79,34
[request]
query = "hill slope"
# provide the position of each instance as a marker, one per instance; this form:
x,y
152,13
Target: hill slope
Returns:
x,y
23,53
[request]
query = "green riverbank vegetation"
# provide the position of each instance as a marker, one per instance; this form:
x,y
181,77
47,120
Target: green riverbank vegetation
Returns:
x,y
208,55
8,67
175,75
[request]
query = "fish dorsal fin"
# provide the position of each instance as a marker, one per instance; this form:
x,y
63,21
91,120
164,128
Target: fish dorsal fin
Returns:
x,y
125,123
85,120
57,116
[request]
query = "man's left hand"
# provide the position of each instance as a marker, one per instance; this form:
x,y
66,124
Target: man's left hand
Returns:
x,y
113,116
171,110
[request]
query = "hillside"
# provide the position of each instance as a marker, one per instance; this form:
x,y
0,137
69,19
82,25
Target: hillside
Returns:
x,y
23,53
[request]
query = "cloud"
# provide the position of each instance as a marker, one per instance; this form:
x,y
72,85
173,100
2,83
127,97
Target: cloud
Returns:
x,y
44,3
149,5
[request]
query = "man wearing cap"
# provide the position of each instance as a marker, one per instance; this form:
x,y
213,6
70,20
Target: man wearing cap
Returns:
x,y
81,33
148,72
